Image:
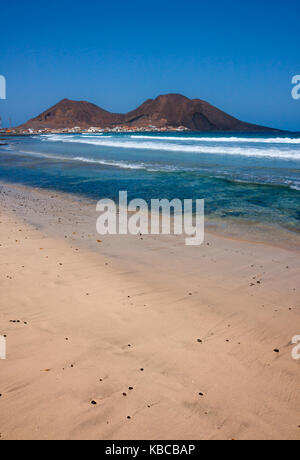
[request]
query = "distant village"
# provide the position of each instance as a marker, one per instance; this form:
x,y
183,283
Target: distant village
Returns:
x,y
91,130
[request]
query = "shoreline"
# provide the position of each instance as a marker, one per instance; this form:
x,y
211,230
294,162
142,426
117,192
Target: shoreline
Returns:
x,y
191,331
241,231
69,131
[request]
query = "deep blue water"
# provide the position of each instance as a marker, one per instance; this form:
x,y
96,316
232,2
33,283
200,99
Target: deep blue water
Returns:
x,y
245,177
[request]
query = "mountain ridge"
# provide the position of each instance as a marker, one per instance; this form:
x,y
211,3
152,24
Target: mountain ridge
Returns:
x,y
168,110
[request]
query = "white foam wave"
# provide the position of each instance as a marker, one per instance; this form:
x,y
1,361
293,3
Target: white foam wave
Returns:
x,y
292,183
172,147
257,140
90,136
117,164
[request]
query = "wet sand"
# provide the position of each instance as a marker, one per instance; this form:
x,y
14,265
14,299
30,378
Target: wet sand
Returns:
x,y
141,337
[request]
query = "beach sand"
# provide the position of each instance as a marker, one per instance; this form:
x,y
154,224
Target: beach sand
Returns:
x,y
141,337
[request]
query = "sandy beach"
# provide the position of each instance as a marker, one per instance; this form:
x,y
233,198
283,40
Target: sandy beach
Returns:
x,y
142,337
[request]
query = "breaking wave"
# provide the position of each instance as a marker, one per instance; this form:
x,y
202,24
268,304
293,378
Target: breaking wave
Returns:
x,y
116,164
291,183
258,140
125,143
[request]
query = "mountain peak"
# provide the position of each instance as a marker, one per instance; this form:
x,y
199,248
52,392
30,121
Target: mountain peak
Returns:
x,y
165,110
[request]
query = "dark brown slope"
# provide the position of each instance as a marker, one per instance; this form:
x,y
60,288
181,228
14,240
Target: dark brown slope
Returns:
x,y
195,114
67,114
168,110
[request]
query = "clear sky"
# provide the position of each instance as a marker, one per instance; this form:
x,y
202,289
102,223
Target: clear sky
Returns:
x,y
239,55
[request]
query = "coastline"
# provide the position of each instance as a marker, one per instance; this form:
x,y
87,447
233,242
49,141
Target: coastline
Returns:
x,y
238,297
229,229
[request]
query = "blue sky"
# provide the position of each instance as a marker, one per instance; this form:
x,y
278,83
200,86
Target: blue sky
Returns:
x,y
238,55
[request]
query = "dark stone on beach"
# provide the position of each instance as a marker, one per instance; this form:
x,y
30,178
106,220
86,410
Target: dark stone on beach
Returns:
x,y
130,388
276,350
93,403
199,340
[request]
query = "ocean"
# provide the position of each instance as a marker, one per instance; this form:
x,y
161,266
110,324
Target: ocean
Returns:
x,y
249,178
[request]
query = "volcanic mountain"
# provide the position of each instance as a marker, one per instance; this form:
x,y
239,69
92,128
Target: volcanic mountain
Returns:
x,y
67,114
172,110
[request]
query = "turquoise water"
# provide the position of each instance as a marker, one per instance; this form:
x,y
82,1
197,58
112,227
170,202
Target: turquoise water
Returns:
x,y
244,177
